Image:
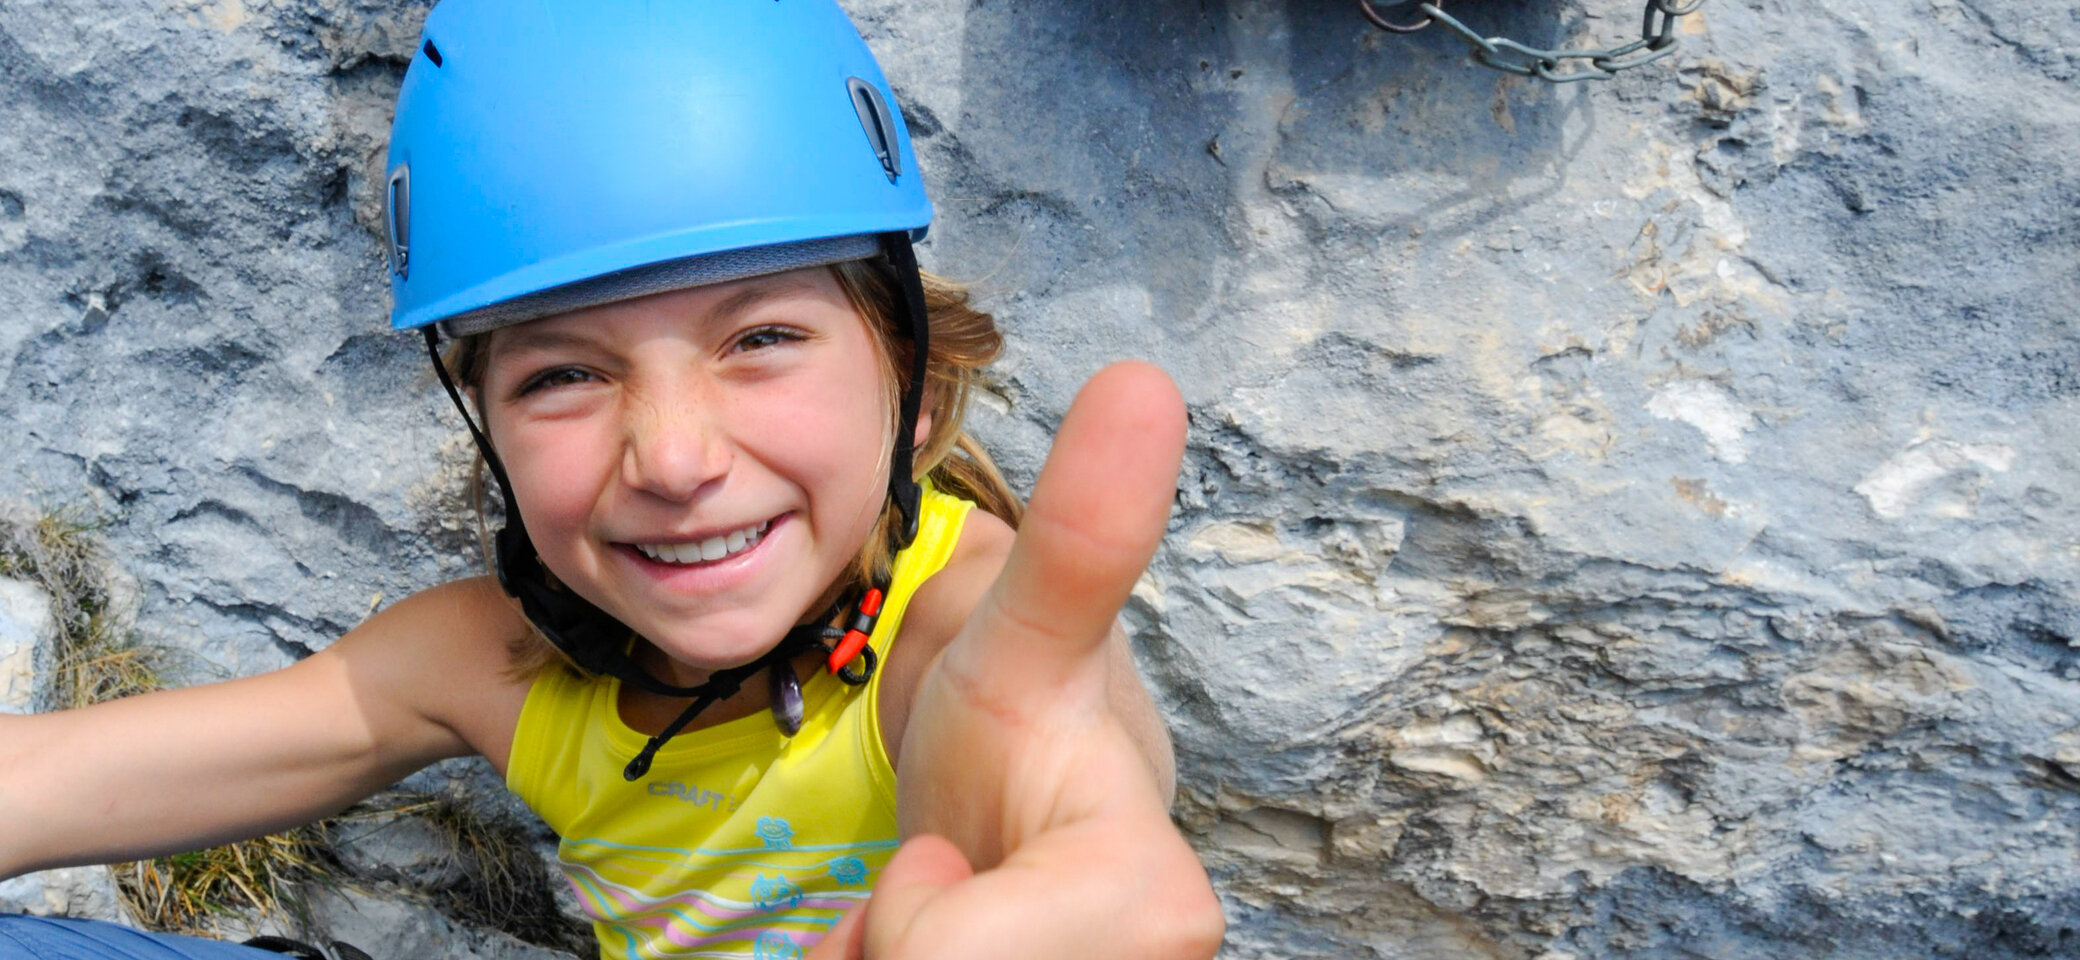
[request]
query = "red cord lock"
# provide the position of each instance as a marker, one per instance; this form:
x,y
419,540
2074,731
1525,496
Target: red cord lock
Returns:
x,y
847,649
856,637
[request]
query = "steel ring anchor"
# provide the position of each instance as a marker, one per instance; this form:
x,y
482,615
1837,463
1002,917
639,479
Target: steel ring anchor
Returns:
x,y
1365,6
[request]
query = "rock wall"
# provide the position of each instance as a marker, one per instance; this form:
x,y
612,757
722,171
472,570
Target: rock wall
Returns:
x,y
1621,519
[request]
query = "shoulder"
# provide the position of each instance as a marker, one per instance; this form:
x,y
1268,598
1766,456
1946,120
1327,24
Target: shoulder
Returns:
x,y
936,614
464,621
942,603
442,658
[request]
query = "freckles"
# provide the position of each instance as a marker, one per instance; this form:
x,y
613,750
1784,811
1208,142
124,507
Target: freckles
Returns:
x,y
809,443
835,409
829,436
552,473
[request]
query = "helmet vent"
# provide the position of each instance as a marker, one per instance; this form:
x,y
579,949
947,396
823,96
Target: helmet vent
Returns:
x,y
399,219
433,53
880,125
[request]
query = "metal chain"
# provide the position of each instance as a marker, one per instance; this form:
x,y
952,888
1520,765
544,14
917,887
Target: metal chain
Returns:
x,y
1657,39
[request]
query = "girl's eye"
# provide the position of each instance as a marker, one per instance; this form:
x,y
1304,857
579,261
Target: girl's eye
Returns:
x,y
762,338
551,378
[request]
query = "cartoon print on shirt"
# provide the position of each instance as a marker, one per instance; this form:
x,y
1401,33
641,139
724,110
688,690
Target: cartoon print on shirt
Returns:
x,y
776,832
775,892
774,945
849,871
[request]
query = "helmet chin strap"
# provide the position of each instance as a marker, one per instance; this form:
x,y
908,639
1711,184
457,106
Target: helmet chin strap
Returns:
x,y
598,643
903,490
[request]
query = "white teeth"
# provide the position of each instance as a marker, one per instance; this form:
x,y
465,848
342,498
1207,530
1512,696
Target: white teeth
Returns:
x,y
707,551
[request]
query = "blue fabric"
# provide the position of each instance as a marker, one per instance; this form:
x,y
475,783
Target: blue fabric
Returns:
x,y
24,937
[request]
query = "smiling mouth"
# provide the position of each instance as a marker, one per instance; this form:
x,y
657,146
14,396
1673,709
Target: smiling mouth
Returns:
x,y
705,551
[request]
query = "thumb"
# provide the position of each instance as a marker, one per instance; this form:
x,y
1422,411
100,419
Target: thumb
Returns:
x,y
1098,511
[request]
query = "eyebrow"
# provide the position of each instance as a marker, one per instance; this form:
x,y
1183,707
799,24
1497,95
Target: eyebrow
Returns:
x,y
536,337
529,336
765,289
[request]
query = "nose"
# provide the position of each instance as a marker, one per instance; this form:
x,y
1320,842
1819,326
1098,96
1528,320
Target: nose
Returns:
x,y
674,446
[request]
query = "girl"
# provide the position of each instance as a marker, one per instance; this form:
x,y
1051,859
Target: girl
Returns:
x,y
752,650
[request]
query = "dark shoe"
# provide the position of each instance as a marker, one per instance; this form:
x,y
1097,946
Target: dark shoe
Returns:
x,y
304,951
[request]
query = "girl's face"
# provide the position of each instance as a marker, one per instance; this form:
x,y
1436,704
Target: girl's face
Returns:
x,y
702,464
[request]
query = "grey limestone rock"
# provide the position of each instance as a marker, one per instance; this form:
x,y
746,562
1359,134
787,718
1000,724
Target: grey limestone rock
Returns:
x,y
1629,519
85,892
388,923
26,632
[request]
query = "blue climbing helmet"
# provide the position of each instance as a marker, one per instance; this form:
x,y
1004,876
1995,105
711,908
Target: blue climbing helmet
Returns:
x,y
548,156
551,155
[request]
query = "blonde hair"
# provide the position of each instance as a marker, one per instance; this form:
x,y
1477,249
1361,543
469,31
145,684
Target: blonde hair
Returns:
x,y
963,342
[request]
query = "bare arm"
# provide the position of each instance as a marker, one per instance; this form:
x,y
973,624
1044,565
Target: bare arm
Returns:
x,y
187,768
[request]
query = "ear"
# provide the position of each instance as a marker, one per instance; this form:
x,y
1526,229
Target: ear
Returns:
x,y
924,426
925,405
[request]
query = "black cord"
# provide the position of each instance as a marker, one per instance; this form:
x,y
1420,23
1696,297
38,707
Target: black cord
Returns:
x,y
902,487
721,685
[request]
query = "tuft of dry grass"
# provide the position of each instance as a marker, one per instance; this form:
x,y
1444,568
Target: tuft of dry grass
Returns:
x,y
192,892
491,874
98,657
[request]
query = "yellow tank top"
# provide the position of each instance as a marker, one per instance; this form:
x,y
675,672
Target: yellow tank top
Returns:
x,y
740,842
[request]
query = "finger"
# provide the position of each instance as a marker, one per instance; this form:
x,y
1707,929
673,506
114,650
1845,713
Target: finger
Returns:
x,y
1098,511
920,871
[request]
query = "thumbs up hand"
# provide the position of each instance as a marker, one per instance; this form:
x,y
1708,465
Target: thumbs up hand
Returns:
x,y
1037,819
